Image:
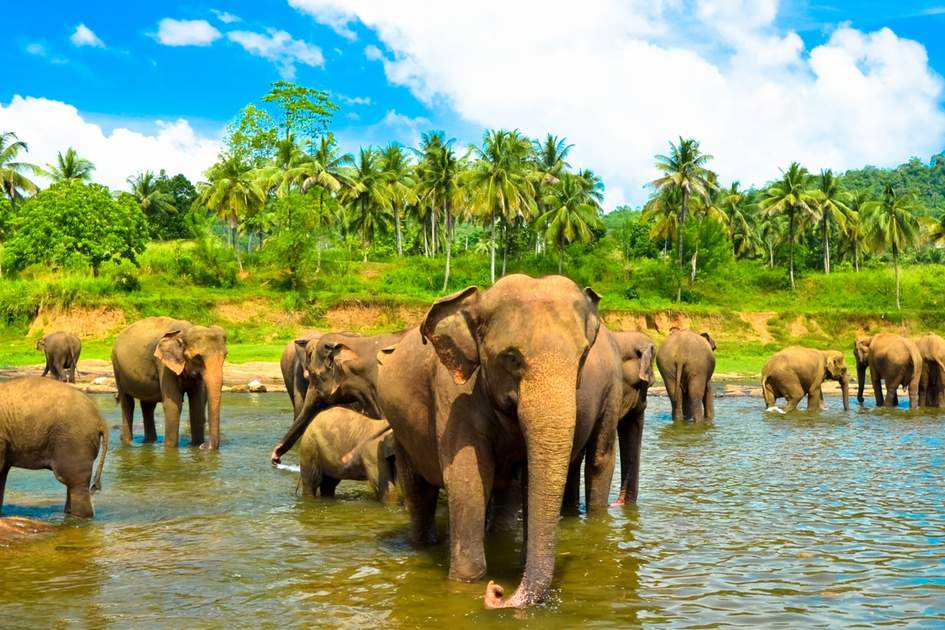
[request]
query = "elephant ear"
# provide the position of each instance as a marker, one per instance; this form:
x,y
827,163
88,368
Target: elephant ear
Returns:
x,y
170,352
340,354
592,322
302,350
711,341
450,325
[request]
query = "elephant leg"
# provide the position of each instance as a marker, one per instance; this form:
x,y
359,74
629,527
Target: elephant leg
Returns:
x,y
420,497
815,398
127,416
505,507
696,389
770,395
925,399
147,411
327,486
387,481
877,387
4,471
310,477
892,391
172,403
675,393
76,478
571,503
469,477
630,439
46,368
197,406
708,401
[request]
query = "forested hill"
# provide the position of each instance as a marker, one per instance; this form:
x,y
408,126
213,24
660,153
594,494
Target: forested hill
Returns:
x,y
926,180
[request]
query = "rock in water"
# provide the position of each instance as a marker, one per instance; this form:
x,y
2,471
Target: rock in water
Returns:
x,y
256,386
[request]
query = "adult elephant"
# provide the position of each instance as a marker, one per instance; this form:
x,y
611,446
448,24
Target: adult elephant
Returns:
x,y
932,382
62,351
158,360
892,359
795,372
637,351
686,361
294,372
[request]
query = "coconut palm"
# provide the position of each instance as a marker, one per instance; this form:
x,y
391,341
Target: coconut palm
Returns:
x,y
791,198
439,176
367,198
70,166
855,237
13,181
397,174
571,214
830,201
549,160
662,210
233,192
734,203
684,168
151,198
892,226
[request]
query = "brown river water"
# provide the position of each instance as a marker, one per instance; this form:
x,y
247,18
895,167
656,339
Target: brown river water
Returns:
x,y
762,520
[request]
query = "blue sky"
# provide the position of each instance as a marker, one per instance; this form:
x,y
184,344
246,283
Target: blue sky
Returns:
x,y
405,69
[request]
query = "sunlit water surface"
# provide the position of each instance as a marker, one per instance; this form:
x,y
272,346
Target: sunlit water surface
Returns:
x,y
834,520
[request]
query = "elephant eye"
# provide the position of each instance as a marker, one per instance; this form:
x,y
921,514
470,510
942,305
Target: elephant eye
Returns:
x,y
512,360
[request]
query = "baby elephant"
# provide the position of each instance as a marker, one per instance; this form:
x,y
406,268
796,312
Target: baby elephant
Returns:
x,y
796,372
343,444
62,355
46,424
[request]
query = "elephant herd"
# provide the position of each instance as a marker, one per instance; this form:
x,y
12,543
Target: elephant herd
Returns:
x,y
506,398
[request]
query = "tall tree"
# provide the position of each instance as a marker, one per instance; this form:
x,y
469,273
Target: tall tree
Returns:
x,y
571,214
304,112
855,237
152,199
13,180
791,198
684,168
892,226
438,185
830,200
735,204
233,192
70,166
367,198
398,176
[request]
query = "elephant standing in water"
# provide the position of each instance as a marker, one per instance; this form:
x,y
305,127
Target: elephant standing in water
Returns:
x,y
932,382
46,424
62,351
890,358
796,372
637,351
158,360
686,361
294,372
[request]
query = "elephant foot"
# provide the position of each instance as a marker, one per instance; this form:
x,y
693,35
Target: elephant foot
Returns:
x,y
493,599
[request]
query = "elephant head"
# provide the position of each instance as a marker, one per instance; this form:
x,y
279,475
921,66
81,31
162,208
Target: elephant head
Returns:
x,y
528,339
861,351
41,345
198,352
836,369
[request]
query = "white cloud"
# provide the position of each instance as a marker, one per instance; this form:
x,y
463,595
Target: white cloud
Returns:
x,y
173,32
226,17
84,36
39,49
49,126
279,47
621,78
354,100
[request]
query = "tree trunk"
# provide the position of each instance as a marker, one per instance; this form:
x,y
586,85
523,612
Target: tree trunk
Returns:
x,y
770,254
560,256
505,246
449,247
400,249
856,257
234,230
433,231
791,248
826,246
492,251
896,263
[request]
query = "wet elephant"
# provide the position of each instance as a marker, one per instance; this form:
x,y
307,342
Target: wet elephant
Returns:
x,y
686,361
893,360
62,350
159,360
637,351
795,372
294,372
46,424
932,382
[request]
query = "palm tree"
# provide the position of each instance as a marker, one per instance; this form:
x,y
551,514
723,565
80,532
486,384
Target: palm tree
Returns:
x,y
892,226
829,199
684,168
12,180
397,174
855,235
734,204
233,192
549,160
367,198
571,214
662,210
151,198
70,166
438,184
790,197
500,183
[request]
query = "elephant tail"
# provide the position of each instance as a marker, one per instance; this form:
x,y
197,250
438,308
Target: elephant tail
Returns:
x,y
103,441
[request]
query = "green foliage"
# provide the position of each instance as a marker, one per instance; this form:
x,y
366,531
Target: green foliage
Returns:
x,y
70,224
304,112
291,249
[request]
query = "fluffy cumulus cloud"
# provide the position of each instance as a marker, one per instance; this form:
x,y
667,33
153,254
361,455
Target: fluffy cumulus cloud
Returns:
x,y
279,47
226,17
84,36
173,32
621,78
49,126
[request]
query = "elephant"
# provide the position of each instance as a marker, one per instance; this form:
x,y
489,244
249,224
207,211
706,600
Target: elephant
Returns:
x,y
341,443
637,351
686,361
46,424
890,358
158,360
932,382
294,373
62,351
795,372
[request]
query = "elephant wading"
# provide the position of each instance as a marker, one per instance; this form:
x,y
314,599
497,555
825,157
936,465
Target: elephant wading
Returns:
x,y
636,351
158,360
796,372
892,359
294,372
46,424
932,382
62,351
686,361
344,444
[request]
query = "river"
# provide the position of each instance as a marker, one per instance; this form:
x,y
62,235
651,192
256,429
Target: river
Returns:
x,y
829,520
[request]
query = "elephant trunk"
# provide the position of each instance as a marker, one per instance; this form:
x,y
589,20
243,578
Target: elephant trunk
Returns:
x,y
860,380
845,391
213,381
310,406
547,412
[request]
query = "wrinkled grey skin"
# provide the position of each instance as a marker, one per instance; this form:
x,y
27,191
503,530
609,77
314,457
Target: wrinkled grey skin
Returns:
x,y
368,444
637,352
159,360
932,383
294,372
686,361
795,372
892,359
45,424
62,351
